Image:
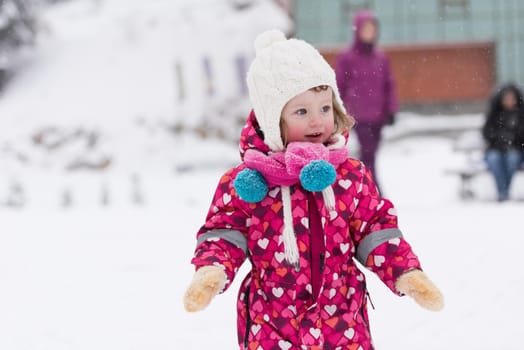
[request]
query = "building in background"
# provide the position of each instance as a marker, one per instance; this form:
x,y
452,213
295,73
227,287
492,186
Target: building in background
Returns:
x,y
442,51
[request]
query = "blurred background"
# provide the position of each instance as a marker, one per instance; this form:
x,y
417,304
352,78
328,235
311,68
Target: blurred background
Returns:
x,y
117,118
447,53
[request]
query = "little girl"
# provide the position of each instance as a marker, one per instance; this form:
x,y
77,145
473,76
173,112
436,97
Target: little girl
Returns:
x,y
301,211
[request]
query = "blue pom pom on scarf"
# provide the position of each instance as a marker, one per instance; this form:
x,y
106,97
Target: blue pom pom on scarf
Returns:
x,y
317,175
250,185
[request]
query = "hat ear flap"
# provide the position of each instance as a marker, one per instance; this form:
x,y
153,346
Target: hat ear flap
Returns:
x,y
250,185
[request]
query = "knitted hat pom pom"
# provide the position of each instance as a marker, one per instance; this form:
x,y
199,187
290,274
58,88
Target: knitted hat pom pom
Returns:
x,y
250,185
267,39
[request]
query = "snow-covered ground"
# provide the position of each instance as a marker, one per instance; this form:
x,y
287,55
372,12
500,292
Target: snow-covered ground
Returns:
x,y
100,259
113,277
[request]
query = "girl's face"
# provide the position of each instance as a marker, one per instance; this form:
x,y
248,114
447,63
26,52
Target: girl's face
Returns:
x,y
509,100
309,116
368,32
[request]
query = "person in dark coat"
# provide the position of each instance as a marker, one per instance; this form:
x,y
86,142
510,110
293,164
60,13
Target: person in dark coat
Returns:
x,y
503,133
366,86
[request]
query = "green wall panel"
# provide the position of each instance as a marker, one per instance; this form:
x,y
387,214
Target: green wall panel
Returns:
x,y
423,21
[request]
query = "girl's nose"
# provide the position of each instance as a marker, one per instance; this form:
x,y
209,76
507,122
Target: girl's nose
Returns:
x,y
315,119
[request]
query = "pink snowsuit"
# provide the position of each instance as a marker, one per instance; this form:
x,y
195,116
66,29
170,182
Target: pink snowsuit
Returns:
x,y
322,304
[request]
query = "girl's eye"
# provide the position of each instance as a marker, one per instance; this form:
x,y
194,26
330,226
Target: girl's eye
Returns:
x,y
301,111
326,109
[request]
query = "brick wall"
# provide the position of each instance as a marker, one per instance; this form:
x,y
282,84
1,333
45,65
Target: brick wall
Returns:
x,y
439,73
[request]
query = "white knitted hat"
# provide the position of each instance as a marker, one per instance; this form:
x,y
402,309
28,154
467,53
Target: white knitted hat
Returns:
x,y
281,70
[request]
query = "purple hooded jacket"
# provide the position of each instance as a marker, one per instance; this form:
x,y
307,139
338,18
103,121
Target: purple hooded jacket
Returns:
x,y
364,78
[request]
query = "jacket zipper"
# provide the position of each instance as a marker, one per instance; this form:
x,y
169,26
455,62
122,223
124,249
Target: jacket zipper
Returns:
x,y
317,246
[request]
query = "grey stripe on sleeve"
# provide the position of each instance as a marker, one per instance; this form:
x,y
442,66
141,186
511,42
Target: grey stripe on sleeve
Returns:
x,y
373,240
232,236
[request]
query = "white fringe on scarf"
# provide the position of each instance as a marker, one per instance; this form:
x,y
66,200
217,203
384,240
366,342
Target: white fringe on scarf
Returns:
x,y
290,240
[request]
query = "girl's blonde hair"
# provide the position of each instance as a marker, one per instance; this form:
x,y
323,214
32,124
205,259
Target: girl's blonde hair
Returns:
x,y
343,122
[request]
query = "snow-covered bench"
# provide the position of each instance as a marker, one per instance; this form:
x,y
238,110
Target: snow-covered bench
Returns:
x,y
472,146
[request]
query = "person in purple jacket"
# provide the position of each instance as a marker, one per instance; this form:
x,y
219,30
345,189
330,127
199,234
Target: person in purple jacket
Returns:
x,y
366,86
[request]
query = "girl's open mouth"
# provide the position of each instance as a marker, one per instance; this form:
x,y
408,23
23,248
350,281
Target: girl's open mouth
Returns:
x,y
315,135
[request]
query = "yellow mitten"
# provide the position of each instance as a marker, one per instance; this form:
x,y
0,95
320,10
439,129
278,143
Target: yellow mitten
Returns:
x,y
207,282
417,285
